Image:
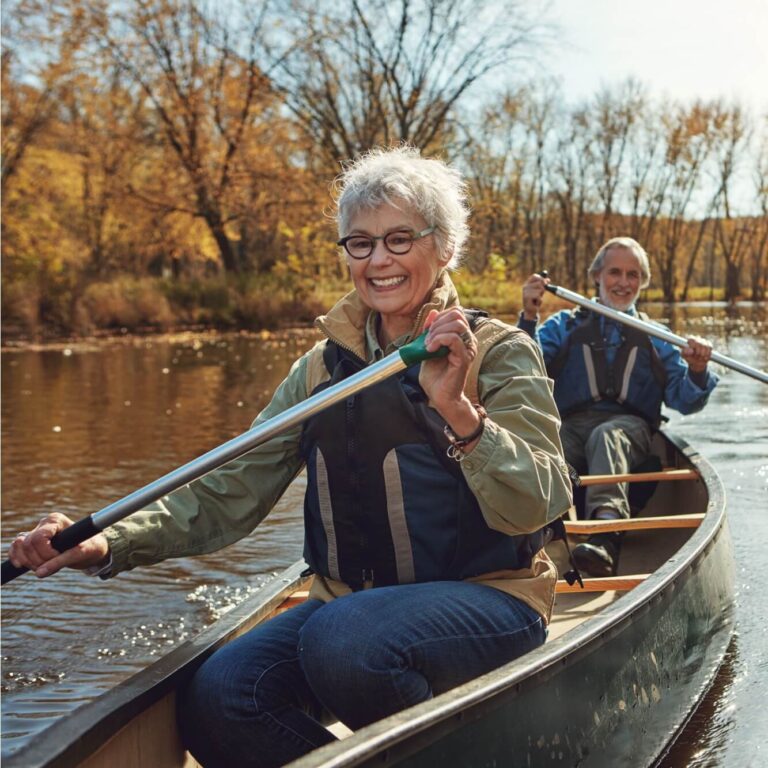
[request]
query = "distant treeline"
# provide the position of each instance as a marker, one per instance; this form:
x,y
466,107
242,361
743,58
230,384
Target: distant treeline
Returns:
x,y
168,162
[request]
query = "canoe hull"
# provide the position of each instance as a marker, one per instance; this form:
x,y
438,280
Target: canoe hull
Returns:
x,y
615,691
617,700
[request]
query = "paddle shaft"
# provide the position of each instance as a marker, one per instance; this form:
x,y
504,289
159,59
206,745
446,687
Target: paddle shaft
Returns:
x,y
653,330
379,371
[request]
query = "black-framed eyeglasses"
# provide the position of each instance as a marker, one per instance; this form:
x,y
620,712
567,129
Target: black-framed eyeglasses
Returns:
x,y
398,242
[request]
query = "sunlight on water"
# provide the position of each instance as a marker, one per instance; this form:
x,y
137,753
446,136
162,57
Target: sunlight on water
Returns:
x,y
220,599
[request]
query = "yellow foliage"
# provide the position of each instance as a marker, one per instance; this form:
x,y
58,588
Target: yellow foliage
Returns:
x,y
189,237
41,229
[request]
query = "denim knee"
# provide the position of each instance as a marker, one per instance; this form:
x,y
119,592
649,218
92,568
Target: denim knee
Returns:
x,y
232,716
356,667
330,647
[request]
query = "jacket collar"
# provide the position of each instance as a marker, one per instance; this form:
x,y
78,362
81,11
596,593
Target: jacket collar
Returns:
x,y
346,322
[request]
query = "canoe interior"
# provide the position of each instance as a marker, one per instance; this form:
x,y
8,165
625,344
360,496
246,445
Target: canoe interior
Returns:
x,y
620,672
642,552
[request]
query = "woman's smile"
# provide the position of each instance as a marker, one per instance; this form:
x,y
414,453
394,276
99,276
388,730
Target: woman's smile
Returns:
x,y
387,283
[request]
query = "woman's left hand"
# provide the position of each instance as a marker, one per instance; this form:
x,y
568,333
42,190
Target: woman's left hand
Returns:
x,y
443,378
697,354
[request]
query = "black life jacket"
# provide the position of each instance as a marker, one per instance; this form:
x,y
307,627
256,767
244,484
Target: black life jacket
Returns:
x,y
384,503
635,380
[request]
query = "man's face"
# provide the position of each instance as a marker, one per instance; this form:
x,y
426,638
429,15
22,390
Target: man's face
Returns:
x,y
620,278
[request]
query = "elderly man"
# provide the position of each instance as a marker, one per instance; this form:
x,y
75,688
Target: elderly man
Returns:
x,y
610,383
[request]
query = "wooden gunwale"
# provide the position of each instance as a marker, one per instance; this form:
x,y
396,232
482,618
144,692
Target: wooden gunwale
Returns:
x,y
78,736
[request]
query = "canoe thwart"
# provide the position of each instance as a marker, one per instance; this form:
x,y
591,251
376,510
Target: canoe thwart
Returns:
x,y
296,597
584,527
640,477
604,584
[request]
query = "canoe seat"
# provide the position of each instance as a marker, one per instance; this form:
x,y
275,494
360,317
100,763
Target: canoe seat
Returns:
x,y
296,597
588,527
606,584
641,477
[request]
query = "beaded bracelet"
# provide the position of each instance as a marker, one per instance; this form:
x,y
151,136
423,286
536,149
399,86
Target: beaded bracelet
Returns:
x,y
458,444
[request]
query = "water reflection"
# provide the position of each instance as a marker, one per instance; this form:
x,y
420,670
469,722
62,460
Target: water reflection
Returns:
x,y
85,425
704,740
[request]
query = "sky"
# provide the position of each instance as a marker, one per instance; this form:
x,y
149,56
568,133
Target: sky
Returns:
x,y
683,49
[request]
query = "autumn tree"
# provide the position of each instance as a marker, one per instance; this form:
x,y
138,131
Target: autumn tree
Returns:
x,y
493,158
40,46
377,72
613,119
759,241
203,74
731,137
687,142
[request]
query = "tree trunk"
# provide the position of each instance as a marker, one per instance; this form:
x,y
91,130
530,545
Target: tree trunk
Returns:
x,y
226,251
732,289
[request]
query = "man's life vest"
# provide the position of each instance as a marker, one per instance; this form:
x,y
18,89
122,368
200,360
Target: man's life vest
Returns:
x,y
635,380
384,503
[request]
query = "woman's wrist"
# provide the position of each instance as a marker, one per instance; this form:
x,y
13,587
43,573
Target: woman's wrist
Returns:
x,y
463,441
462,418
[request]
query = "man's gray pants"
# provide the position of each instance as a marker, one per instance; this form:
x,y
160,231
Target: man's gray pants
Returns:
x,y
604,443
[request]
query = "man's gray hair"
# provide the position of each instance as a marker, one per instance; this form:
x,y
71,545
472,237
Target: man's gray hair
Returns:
x,y
631,245
428,186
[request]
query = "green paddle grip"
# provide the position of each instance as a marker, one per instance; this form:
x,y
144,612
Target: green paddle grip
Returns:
x,y
415,352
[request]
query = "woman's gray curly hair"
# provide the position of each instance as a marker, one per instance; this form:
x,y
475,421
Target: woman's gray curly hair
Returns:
x,y
622,242
400,175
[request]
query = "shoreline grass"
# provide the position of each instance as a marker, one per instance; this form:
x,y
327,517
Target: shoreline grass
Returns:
x,y
154,306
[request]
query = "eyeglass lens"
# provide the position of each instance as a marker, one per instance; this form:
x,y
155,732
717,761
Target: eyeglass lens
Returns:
x,y
361,246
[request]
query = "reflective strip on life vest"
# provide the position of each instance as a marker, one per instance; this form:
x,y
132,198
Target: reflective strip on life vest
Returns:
x,y
398,525
326,515
628,368
591,375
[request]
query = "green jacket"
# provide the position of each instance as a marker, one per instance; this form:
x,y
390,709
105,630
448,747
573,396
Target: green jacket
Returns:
x,y
516,470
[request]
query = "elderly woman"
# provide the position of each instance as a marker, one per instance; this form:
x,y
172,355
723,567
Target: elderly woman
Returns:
x,y
427,495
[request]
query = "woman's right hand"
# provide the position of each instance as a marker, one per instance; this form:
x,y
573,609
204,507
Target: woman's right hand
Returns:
x,y
533,291
34,550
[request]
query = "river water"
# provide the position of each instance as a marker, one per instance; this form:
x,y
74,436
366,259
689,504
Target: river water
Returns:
x,y
84,424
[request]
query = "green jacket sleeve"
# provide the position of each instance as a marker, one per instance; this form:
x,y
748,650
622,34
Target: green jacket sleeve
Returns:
x,y
222,507
517,470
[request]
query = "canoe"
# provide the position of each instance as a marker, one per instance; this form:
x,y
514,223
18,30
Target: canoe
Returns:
x,y
625,664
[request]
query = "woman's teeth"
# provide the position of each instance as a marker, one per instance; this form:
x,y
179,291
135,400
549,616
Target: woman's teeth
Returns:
x,y
386,282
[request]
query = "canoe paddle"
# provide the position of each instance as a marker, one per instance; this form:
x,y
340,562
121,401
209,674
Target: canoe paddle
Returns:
x,y
652,330
84,529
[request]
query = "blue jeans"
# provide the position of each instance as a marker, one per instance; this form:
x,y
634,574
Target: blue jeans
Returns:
x,y
263,698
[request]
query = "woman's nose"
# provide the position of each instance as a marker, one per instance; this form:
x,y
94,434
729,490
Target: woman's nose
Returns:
x,y
380,252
